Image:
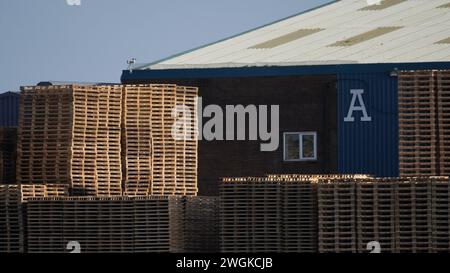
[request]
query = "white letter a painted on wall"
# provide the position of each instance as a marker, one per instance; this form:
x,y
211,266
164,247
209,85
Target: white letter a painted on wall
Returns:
x,y
357,94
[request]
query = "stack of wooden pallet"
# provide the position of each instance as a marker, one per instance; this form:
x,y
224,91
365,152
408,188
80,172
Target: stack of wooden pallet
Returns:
x,y
250,215
268,214
424,122
443,105
152,223
200,225
12,200
299,230
154,160
413,215
45,124
71,134
402,214
440,214
115,224
8,142
418,132
137,140
30,191
108,140
375,214
11,216
337,214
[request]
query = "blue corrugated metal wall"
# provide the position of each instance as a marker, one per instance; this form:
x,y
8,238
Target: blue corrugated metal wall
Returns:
x,y
369,147
9,109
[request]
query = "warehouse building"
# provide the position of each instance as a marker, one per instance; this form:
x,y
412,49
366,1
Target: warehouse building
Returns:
x,y
9,109
334,72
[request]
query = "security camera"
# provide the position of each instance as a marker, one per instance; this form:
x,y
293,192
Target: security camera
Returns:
x,y
132,61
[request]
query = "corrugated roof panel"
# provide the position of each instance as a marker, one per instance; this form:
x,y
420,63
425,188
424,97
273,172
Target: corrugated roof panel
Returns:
x,y
286,38
365,36
247,39
444,41
357,37
445,6
384,4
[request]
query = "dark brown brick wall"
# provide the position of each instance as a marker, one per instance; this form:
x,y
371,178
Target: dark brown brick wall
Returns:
x,y
307,103
8,155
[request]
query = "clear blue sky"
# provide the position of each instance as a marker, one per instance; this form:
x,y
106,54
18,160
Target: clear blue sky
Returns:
x,y
44,40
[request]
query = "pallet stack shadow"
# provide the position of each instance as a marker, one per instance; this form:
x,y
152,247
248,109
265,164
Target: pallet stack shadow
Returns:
x,y
402,214
424,126
121,224
13,214
8,142
154,161
71,135
277,213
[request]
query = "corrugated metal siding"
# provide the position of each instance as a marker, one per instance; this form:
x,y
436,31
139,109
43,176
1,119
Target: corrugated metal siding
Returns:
x,y
369,147
9,109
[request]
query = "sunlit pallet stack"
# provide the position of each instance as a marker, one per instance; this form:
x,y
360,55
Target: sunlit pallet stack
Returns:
x,y
8,142
155,161
413,215
108,140
418,131
71,134
299,230
375,215
137,140
443,105
337,214
30,191
116,224
44,136
71,154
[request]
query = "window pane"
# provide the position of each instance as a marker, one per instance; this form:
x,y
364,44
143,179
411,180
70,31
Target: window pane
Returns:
x,y
292,147
308,146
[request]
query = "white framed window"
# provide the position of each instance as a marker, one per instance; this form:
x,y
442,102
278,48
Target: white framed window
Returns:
x,y
300,146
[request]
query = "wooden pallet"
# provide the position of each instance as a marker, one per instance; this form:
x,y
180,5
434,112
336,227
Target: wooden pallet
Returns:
x,y
403,215
123,224
153,161
440,215
418,130
11,220
443,105
268,214
337,214
375,214
75,130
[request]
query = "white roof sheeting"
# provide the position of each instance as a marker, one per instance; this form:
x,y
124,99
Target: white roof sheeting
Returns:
x,y
419,26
